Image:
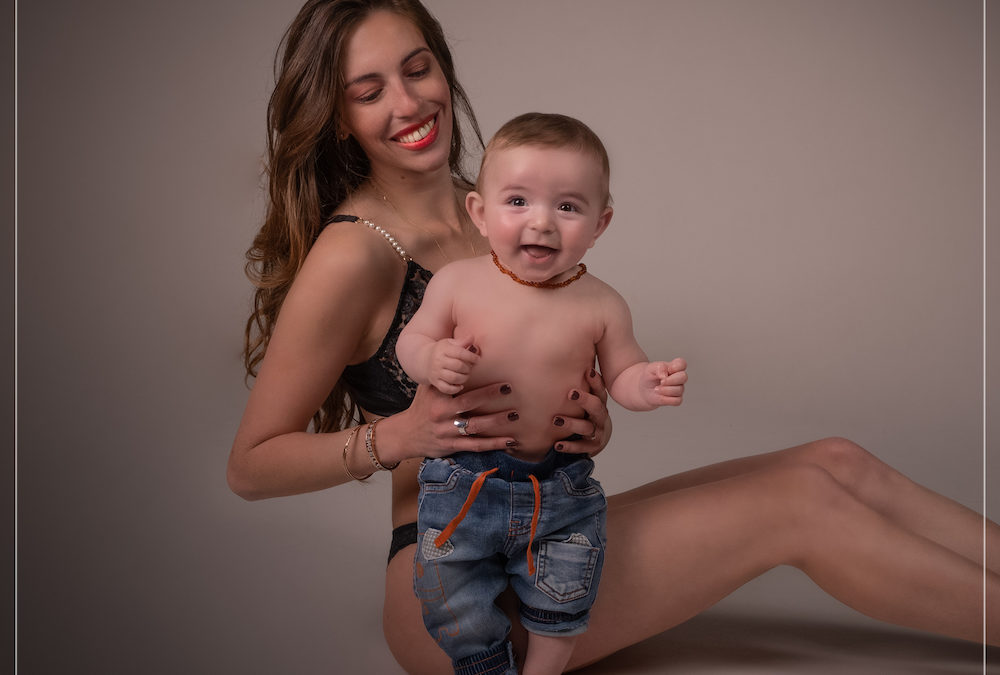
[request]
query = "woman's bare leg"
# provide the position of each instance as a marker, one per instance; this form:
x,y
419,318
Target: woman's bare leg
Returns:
x,y
871,481
676,553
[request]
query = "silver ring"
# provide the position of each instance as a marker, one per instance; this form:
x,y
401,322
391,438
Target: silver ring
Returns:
x,y
461,423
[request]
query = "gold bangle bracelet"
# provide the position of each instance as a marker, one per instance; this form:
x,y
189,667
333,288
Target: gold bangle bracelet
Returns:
x,y
370,446
347,445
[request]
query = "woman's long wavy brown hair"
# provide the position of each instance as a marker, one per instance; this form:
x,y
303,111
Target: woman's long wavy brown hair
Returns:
x,y
310,170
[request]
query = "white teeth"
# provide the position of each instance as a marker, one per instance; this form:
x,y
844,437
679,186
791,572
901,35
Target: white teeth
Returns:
x,y
419,134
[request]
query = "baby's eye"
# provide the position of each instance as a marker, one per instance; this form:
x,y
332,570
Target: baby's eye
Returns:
x,y
517,201
566,206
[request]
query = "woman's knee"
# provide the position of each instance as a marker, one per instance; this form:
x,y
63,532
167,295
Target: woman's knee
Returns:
x,y
811,497
809,486
851,465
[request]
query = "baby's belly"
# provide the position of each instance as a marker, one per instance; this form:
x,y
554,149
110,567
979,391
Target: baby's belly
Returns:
x,y
539,395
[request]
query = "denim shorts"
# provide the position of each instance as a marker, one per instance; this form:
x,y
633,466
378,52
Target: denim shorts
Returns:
x,y
545,537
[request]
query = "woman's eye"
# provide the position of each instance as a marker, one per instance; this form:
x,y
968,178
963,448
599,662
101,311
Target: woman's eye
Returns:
x,y
368,97
417,74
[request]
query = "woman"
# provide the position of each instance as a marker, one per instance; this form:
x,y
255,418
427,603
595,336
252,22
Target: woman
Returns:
x,y
363,123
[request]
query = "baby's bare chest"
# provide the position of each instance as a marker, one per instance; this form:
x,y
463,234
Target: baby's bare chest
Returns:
x,y
543,332
541,345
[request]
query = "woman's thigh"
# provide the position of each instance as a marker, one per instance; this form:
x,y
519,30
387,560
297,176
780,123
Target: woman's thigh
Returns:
x,y
674,554
850,464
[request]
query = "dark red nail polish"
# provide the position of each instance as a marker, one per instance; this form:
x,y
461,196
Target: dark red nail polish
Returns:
x,y
559,446
593,373
472,348
505,389
511,444
513,416
559,421
575,395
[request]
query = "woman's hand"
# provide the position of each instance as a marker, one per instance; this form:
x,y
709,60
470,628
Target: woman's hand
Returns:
x,y
427,428
595,427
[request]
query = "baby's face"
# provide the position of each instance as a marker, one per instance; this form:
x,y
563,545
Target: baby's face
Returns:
x,y
541,208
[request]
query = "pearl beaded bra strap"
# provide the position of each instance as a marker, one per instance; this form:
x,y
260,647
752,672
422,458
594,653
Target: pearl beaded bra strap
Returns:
x,y
388,237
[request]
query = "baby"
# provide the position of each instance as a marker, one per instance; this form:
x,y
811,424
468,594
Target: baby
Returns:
x,y
528,314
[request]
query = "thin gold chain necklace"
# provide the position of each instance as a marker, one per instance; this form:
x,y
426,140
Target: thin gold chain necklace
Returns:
x,y
461,222
538,284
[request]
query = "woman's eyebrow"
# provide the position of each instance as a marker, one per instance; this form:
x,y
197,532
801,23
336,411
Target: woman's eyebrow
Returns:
x,y
375,76
416,51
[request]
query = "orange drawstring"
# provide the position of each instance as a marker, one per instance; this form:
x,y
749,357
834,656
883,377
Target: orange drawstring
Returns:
x,y
534,521
473,493
477,485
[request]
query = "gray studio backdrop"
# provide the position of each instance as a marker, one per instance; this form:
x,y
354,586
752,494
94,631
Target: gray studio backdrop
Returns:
x,y
798,194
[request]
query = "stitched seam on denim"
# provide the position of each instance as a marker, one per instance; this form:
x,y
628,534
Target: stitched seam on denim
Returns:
x,y
550,617
496,659
585,582
590,490
446,486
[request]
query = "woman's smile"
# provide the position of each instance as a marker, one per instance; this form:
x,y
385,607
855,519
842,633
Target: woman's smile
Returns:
x,y
418,136
397,101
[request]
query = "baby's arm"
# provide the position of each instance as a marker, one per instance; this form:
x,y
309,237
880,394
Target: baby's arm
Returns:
x,y
426,349
651,384
632,380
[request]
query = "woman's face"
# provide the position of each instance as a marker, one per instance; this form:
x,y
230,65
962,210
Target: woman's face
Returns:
x,y
397,103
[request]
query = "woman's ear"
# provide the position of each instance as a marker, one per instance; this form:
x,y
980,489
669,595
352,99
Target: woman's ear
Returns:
x,y
602,224
475,206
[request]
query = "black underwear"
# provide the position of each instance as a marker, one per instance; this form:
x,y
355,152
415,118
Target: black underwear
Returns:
x,y
402,536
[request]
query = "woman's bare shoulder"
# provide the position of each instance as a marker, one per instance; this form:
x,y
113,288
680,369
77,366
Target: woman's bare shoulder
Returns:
x,y
349,278
352,252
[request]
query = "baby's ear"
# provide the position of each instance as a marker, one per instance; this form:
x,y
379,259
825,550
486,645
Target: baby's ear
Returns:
x,y
602,224
474,205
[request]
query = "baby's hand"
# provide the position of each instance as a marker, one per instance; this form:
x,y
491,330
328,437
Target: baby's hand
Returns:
x,y
450,364
663,383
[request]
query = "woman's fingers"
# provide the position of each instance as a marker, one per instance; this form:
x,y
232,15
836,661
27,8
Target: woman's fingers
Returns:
x,y
572,425
585,444
490,431
594,428
499,424
477,398
596,383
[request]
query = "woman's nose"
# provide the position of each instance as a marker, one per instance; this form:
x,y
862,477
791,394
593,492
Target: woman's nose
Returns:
x,y
406,102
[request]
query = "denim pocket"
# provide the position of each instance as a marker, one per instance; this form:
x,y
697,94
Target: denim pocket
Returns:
x,y
566,568
438,475
577,481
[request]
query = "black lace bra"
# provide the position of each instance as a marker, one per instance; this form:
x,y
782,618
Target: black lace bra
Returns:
x,y
379,385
